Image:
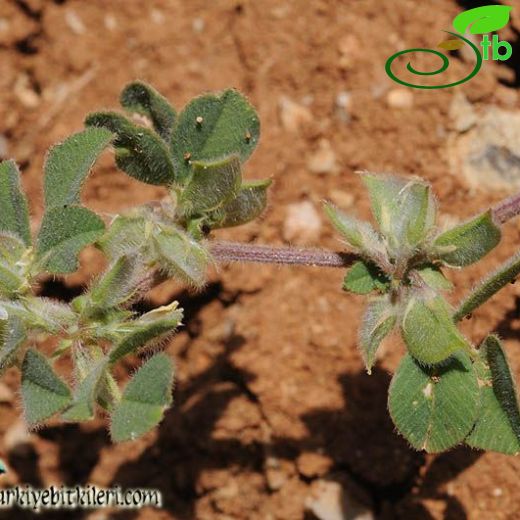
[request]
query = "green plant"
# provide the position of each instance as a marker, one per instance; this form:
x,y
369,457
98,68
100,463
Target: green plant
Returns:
x,y
445,390
197,155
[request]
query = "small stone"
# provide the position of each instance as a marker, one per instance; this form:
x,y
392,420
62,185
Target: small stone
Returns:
x,y
292,115
399,98
324,159
110,22
276,479
462,113
313,464
302,223
6,394
198,25
25,94
74,22
157,16
328,501
349,50
275,473
341,198
343,106
17,439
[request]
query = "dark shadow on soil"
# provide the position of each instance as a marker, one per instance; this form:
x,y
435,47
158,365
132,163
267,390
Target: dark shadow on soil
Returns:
x,y
505,328
359,437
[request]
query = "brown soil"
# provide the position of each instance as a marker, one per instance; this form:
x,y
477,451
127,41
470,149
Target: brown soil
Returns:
x,y
271,390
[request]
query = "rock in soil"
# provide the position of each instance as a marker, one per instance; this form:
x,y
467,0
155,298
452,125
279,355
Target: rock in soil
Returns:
x,y
293,116
329,501
302,223
323,160
488,156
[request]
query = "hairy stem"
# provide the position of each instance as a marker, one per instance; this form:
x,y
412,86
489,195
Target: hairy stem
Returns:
x,y
507,209
238,252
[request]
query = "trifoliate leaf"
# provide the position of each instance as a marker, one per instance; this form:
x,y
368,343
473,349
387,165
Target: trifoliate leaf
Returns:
x,y
214,126
469,242
144,400
43,392
434,408
14,212
64,232
69,163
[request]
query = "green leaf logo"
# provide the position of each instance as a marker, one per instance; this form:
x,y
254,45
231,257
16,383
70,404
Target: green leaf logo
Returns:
x,y
482,20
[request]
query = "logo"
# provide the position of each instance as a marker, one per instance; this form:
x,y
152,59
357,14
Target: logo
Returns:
x,y
481,21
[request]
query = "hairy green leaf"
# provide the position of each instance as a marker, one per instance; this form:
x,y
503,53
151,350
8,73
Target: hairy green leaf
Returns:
x,y
429,331
10,281
182,256
150,328
505,274
359,235
378,321
12,337
498,424
85,394
14,212
144,400
64,232
141,98
12,249
43,392
211,185
468,242
434,409
482,20
69,163
249,203
404,209
119,283
40,313
434,278
126,235
139,151
364,277
214,126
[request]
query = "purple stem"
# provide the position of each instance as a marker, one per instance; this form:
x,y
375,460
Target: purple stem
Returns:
x,y
264,254
507,209
237,252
